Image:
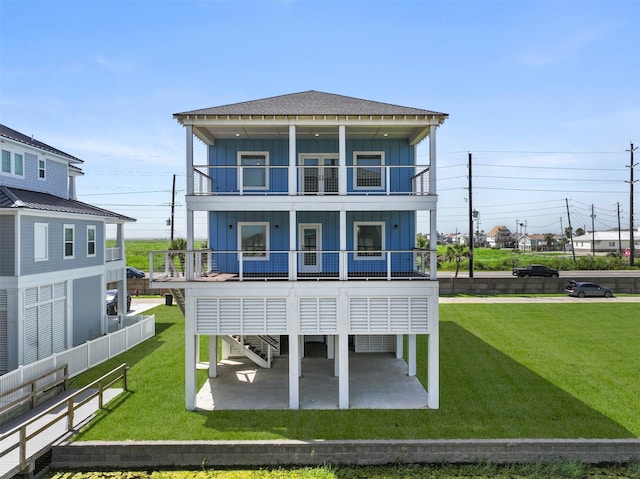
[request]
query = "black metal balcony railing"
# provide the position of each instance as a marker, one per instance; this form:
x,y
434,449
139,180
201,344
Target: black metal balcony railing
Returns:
x,y
211,265
310,180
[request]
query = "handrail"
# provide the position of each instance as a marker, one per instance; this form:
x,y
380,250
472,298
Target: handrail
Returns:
x,y
69,413
34,389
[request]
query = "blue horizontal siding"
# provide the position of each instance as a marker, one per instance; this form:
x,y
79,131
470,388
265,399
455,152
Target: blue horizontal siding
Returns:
x,y
400,233
224,156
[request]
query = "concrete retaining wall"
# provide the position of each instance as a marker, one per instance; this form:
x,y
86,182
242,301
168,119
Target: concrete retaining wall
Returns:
x,y
513,285
196,454
477,285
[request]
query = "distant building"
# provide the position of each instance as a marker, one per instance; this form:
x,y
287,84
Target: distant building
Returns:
x,y
500,237
605,242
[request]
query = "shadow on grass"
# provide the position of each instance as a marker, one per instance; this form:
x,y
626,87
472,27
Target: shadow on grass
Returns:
x,y
484,394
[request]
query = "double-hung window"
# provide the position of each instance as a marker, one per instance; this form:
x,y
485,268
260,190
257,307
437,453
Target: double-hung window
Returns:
x,y
368,239
12,163
91,240
42,168
253,170
40,241
369,170
253,239
69,233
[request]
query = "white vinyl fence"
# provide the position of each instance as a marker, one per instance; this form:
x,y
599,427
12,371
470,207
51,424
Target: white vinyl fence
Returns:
x,y
85,356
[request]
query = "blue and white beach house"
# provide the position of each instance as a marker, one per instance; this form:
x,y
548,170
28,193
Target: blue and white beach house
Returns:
x,y
313,202
54,263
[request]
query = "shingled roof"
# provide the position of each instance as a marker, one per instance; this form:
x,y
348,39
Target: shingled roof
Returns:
x,y
12,134
34,200
311,103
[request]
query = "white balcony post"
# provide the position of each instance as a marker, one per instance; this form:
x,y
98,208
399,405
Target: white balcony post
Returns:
x,y
433,229
388,257
240,265
342,160
293,255
189,130
293,164
343,246
387,179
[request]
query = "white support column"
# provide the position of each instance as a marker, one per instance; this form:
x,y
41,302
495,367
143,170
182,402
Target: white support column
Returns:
x,y
189,131
293,245
433,226
190,339
189,256
411,354
294,374
331,346
342,160
399,346
433,381
343,246
343,371
293,162
336,356
213,356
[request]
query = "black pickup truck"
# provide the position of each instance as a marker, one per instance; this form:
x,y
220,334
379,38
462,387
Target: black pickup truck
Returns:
x,y
535,270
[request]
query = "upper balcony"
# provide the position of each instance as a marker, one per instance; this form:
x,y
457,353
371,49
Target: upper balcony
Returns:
x,y
313,180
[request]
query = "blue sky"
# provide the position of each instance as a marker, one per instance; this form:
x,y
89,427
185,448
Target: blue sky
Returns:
x,y
544,94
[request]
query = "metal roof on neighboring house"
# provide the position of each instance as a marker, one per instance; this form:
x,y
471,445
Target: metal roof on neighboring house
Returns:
x,y
311,103
15,135
34,200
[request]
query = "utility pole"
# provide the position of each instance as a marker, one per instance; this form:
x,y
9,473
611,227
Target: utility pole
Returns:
x,y
470,221
570,230
593,232
631,182
619,234
173,205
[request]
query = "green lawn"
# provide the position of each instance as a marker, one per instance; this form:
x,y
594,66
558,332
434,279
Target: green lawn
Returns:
x,y
506,370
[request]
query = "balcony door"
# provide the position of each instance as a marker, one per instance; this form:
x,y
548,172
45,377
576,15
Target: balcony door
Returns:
x,y
319,174
310,247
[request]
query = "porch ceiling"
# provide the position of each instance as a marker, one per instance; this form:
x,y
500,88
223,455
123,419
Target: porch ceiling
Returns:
x,y
414,131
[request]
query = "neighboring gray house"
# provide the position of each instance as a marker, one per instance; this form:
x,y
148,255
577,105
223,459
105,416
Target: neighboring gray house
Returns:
x,y
54,264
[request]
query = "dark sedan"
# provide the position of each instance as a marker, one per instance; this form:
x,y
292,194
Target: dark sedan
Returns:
x,y
583,289
134,272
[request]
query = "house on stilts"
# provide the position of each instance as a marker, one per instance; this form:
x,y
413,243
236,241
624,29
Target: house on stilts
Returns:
x,y
313,202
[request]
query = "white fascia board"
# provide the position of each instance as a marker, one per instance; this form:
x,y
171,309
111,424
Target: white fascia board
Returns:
x,y
311,203
374,120
63,215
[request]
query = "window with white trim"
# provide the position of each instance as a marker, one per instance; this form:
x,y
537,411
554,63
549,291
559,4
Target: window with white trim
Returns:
x,y
254,170
368,172
12,163
69,234
369,239
40,241
253,239
91,240
42,168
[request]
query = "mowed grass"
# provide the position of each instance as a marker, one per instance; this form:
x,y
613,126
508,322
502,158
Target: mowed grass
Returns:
x,y
506,371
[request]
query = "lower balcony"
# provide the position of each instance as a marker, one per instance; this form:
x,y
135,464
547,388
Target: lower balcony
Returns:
x,y
210,265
